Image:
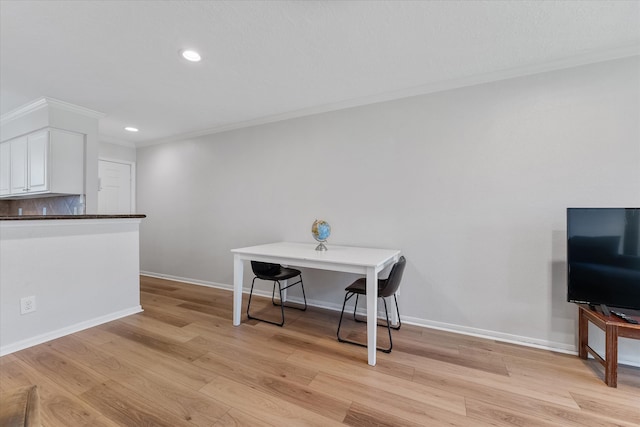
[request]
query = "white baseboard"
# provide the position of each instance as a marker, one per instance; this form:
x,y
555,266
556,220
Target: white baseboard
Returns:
x,y
188,280
493,335
39,339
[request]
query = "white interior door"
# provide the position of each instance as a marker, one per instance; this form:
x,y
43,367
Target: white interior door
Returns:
x,y
115,191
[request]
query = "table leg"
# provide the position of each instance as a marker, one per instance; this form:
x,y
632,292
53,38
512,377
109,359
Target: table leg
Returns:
x,y
372,314
238,270
284,284
583,334
611,356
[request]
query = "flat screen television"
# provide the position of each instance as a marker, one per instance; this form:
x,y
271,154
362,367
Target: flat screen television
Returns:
x,y
603,254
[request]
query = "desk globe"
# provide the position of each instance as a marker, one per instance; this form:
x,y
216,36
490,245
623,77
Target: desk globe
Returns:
x,y
321,230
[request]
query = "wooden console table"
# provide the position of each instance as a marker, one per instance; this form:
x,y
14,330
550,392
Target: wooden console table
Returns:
x,y
613,328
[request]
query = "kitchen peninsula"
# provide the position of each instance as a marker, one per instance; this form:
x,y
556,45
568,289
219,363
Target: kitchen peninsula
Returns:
x,y
65,273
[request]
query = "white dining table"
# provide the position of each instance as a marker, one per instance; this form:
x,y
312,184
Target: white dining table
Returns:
x,y
366,261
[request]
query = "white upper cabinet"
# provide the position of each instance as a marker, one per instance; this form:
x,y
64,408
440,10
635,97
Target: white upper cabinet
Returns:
x,y
5,169
19,150
37,175
43,162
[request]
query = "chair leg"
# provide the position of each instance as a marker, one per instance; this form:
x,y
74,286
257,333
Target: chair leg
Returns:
x,y
272,296
388,325
355,307
281,304
304,297
398,312
347,296
386,313
250,295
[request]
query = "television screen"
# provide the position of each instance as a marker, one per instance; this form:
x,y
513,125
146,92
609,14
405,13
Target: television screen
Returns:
x,y
603,253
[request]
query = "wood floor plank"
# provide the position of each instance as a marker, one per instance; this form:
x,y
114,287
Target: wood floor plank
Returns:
x,y
578,378
366,376
594,405
264,406
189,404
283,384
158,284
210,337
12,376
159,298
95,336
413,410
179,400
239,368
484,362
341,351
59,407
365,416
159,327
526,403
499,416
161,314
153,341
72,375
269,359
184,314
129,409
93,357
437,375
222,313
237,418
178,370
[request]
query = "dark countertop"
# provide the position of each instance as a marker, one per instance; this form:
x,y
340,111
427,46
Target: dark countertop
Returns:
x,y
40,217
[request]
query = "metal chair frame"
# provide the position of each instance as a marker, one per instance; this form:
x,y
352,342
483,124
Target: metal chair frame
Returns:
x,y
386,288
273,301
347,297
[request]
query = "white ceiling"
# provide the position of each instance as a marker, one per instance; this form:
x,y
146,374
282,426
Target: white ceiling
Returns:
x,y
268,60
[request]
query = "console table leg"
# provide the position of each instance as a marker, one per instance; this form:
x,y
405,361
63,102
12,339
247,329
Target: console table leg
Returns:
x,y
583,334
611,362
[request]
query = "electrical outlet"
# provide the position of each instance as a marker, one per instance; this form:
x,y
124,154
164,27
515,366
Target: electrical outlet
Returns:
x,y
27,304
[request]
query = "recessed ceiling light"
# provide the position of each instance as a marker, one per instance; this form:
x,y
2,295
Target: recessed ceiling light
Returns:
x,y
131,129
191,55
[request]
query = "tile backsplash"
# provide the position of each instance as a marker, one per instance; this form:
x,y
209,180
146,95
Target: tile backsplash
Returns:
x,y
57,205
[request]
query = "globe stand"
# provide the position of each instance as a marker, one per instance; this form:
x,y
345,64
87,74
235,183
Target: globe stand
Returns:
x,y
321,247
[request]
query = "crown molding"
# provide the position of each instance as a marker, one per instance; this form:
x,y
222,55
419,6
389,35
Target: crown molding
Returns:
x,y
23,110
62,105
560,64
44,102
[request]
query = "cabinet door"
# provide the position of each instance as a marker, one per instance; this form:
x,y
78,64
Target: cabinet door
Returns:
x,y
19,166
38,150
5,168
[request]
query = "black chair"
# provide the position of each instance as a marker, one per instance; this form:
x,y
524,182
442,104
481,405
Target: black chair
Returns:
x,y
386,288
275,273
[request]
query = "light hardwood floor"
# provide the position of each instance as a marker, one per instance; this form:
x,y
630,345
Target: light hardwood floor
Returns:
x,y
182,363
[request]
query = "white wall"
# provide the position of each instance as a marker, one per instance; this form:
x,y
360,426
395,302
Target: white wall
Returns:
x,y
471,184
107,150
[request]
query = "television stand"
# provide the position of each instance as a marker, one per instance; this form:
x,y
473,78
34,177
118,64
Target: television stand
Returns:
x,y
613,328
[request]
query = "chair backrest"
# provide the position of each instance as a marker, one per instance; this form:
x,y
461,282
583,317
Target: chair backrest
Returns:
x,y
265,268
393,281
